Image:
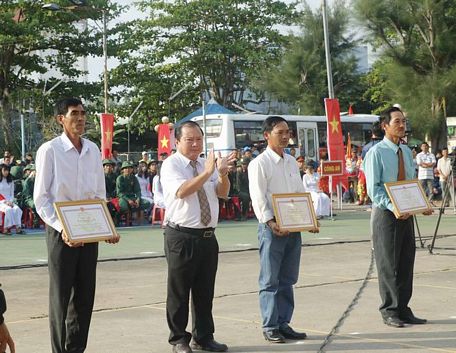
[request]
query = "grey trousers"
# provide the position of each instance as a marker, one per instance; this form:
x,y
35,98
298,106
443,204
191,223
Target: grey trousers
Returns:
x,y
72,277
394,249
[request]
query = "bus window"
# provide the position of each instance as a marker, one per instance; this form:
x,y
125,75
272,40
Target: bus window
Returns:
x,y
247,133
213,127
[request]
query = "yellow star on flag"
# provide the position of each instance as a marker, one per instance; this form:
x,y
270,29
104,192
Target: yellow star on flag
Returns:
x,y
164,142
334,126
108,135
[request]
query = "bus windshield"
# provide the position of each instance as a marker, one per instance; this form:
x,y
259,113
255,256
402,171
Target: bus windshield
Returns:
x,y
247,133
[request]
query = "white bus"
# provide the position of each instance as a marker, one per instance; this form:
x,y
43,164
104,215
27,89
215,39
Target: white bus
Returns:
x,y
227,132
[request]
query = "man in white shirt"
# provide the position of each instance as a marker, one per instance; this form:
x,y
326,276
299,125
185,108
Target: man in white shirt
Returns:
x,y
426,162
272,172
444,169
69,168
191,187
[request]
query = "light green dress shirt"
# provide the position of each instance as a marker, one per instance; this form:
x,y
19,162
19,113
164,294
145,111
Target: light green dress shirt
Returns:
x,y
380,166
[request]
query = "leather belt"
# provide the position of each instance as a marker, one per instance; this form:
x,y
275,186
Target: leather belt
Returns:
x,y
200,232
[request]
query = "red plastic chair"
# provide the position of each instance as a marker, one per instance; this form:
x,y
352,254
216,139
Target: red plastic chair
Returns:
x,y
158,215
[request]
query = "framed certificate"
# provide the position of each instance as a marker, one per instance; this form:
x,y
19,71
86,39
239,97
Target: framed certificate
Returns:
x,y
407,196
294,212
86,221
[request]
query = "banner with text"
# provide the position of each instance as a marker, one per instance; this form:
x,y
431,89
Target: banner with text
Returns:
x,y
335,141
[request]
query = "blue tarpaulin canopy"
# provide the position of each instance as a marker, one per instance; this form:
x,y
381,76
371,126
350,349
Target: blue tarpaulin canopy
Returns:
x,y
212,107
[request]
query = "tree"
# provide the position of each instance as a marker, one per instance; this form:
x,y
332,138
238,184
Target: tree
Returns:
x,y
211,46
301,79
34,41
418,37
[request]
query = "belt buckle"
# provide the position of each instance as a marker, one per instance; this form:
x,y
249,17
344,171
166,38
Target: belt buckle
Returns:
x,y
207,233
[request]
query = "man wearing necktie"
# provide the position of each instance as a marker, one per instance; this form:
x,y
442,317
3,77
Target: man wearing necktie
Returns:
x,y
393,238
191,187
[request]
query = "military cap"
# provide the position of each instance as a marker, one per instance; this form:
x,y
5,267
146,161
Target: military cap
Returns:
x,y
29,167
108,161
126,164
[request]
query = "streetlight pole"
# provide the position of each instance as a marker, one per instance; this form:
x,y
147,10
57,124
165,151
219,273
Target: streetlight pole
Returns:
x,y
105,61
327,51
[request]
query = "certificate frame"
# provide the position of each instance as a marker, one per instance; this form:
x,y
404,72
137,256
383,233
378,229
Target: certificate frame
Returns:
x,y
86,221
294,211
407,196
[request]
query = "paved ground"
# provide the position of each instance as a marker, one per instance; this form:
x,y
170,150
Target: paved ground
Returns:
x,y
129,314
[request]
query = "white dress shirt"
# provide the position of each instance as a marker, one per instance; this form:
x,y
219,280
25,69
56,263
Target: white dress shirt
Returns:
x,y
270,174
185,212
444,165
64,174
157,190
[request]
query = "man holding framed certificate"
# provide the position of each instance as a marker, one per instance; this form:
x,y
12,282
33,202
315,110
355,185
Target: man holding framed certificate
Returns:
x,y
275,174
388,162
68,170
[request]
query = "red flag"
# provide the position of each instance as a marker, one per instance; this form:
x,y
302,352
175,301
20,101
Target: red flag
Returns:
x,y
164,139
107,132
335,140
350,110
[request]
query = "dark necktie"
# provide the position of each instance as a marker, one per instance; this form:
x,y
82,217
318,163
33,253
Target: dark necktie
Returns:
x,y
202,198
401,167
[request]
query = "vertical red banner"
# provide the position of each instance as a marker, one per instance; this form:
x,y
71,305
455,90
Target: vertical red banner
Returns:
x,y
107,133
335,139
164,139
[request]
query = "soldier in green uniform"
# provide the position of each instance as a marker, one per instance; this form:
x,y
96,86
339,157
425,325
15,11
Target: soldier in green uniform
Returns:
x,y
129,192
28,186
242,186
110,179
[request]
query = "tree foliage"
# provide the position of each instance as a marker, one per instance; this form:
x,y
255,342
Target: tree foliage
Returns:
x,y
301,78
211,47
36,42
418,37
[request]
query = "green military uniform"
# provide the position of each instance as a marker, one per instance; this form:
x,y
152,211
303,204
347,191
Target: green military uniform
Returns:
x,y
28,186
127,188
242,188
110,181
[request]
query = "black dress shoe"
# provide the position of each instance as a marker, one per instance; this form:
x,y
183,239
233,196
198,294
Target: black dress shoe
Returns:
x,y
291,334
412,319
211,346
274,336
393,321
182,348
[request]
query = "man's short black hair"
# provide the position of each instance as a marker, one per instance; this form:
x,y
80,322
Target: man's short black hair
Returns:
x,y
386,115
444,148
178,130
61,107
271,122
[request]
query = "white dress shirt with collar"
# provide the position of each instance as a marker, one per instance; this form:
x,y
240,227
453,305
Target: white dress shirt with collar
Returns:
x,y
270,174
185,212
64,174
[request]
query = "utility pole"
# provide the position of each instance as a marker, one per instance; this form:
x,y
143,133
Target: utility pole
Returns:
x,y
327,50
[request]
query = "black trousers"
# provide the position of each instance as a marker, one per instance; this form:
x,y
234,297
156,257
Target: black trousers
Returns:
x,y
72,277
192,266
394,249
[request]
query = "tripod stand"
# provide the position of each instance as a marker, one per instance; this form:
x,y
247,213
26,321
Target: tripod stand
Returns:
x,y
447,192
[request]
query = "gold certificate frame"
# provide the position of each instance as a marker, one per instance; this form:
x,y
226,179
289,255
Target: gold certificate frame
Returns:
x,y
407,196
86,221
294,212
